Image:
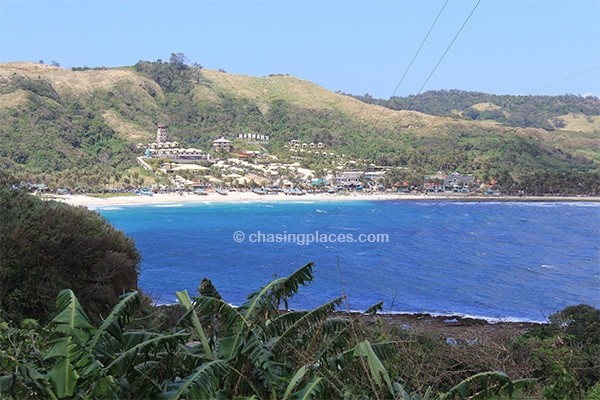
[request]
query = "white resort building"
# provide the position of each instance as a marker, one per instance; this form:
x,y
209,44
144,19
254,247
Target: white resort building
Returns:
x,y
222,144
163,148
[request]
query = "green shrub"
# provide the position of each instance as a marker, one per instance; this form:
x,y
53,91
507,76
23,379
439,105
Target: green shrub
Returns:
x,y
48,246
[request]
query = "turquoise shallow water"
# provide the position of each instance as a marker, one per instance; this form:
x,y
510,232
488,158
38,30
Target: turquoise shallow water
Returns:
x,y
493,260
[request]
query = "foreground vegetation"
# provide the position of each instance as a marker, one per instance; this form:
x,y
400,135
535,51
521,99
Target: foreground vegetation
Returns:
x,y
254,351
47,246
259,350
109,348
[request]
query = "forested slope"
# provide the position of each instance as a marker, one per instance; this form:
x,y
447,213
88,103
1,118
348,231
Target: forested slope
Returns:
x,y
79,125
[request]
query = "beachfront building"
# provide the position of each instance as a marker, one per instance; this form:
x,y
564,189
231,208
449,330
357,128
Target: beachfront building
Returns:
x,y
456,182
349,178
374,175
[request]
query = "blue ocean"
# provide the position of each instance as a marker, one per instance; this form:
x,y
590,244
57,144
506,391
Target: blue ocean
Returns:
x,y
507,261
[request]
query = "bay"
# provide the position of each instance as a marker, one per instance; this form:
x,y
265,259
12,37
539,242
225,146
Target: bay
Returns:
x,y
508,261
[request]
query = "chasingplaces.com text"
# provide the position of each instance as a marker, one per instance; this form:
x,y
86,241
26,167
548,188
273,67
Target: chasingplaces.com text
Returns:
x,y
305,239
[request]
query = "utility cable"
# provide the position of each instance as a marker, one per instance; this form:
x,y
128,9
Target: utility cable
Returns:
x,y
419,49
565,79
443,55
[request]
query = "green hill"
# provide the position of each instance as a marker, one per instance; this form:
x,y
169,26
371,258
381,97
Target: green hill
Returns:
x,y
83,124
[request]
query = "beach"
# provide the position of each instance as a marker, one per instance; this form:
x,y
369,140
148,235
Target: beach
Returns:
x,y
247,196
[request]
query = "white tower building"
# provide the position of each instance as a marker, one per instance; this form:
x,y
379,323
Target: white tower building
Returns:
x,y
161,135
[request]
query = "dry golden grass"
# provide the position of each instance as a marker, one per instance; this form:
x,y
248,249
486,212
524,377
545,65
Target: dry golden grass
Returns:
x,y
583,144
14,99
306,94
486,107
263,91
580,123
204,93
580,134
126,129
68,83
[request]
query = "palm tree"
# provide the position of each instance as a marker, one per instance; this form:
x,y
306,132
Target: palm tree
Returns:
x,y
117,177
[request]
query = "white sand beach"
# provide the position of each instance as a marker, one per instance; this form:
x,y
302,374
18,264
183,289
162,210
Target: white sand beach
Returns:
x,y
169,198
164,198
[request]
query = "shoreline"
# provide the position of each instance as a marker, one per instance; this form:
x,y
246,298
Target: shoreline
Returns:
x,y
232,197
455,329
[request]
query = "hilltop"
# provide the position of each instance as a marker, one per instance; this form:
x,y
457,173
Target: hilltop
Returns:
x,y
61,124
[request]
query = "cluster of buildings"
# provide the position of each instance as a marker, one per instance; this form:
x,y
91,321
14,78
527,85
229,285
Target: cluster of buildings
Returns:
x,y
163,148
454,182
347,179
295,144
171,150
317,149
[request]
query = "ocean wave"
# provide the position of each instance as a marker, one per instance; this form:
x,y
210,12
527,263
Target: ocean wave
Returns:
x,y
489,320
173,205
542,268
553,204
106,208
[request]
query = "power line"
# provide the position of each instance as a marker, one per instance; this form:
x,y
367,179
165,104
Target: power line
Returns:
x,y
415,56
440,60
419,49
565,79
445,52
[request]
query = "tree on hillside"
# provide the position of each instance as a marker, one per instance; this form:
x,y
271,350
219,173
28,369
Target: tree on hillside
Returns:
x,y
47,246
177,59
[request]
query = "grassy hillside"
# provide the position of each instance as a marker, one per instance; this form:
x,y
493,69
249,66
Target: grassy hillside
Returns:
x,y
56,121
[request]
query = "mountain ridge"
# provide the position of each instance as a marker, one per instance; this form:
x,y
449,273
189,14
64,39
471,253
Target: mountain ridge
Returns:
x,y
58,119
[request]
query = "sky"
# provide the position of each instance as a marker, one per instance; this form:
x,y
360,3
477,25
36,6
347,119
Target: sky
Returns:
x,y
519,47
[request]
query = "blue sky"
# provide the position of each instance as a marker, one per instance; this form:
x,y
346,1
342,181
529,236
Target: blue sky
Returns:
x,y
540,47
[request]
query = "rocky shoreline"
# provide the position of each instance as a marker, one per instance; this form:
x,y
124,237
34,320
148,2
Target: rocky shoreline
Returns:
x,y
448,327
